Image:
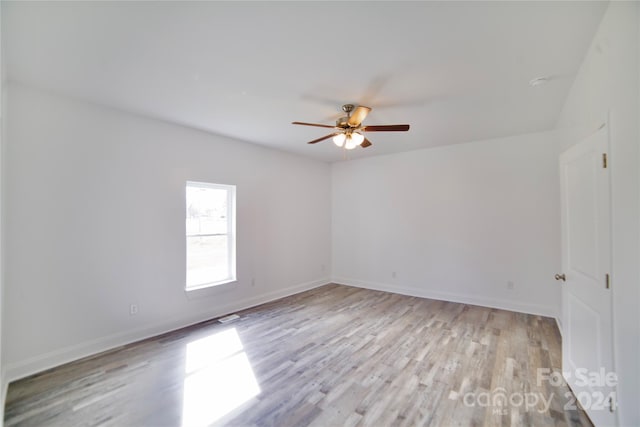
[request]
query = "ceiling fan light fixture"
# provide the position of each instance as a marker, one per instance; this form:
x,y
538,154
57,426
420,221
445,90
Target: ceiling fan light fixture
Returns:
x,y
350,143
339,139
357,137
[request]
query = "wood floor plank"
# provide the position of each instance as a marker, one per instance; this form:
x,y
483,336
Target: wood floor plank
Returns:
x,y
332,356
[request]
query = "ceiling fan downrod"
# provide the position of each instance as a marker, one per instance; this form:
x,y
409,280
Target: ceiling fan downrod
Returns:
x,y
348,108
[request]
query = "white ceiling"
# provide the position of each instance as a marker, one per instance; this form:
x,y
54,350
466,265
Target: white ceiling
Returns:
x,y
455,71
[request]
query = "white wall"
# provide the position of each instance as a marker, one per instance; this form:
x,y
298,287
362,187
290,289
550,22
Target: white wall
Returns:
x,y
95,206
608,83
455,223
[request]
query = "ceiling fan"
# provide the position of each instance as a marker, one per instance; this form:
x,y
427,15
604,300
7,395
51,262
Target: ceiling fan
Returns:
x,y
349,129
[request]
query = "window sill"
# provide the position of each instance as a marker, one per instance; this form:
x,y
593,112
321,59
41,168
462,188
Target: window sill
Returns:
x,y
210,289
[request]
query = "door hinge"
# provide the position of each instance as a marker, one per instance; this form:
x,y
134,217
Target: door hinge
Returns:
x,y
604,160
612,404
607,281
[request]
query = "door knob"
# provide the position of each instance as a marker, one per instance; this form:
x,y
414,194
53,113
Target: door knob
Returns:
x,y
561,277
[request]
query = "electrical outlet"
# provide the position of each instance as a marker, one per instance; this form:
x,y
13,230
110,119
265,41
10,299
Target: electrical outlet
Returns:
x,y
510,285
393,274
133,309
253,281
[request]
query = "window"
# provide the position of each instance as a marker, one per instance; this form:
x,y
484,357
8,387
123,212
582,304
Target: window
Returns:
x,y
210,230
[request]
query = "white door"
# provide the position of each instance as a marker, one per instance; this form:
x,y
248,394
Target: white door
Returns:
x,y
587,344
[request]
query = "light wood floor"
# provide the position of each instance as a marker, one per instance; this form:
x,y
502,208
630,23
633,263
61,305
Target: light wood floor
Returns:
x,y
333,356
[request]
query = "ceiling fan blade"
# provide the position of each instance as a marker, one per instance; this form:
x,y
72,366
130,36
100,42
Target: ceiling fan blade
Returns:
x,y
358,116
313,124
385,128
366,143
323,138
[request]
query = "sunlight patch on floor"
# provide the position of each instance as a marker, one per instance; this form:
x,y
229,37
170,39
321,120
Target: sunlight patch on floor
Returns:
x,y
218,378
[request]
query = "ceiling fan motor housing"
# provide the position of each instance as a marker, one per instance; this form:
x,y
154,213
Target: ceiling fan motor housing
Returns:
x,y
342,122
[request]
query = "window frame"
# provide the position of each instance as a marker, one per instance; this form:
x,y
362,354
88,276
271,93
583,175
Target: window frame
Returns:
x,y
231,234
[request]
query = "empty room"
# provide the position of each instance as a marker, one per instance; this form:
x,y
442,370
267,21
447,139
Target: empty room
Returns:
x,y
320,213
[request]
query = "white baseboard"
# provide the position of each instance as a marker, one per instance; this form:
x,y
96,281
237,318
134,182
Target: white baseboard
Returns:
x,y
452,297
24,368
